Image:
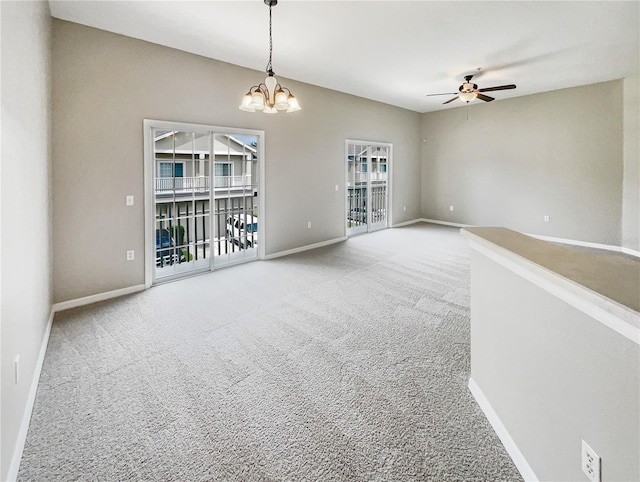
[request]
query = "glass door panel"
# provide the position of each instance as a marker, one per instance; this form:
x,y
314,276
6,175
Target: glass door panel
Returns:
x,y
357,164
180,193
378,187
235,198
367,187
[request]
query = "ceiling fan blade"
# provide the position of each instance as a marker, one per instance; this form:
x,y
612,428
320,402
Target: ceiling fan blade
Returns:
x,y
500,87
450,100
446,93
486,98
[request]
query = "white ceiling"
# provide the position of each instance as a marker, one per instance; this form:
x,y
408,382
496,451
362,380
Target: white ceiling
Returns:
x,y
392,51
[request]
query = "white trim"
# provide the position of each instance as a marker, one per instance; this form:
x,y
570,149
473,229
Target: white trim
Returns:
x,y
501,431
14,466
262,194
149,207
587,244
305,248
406,223
619,318
87,300
445,223
631,252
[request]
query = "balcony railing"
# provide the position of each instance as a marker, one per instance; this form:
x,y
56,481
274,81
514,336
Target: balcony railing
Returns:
x,y
200,184
361,177
232,181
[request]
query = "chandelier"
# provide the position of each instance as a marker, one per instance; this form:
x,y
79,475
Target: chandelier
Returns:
x,y
269,96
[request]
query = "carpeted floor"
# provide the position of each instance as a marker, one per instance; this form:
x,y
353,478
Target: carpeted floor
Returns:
x,y
344,363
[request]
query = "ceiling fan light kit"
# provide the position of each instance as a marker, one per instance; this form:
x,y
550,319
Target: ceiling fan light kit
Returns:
x,y
269,96
469,91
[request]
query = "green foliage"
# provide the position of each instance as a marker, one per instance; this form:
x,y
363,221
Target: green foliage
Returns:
x,y
177,232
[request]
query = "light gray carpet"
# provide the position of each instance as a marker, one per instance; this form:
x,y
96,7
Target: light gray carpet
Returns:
x,y
349,362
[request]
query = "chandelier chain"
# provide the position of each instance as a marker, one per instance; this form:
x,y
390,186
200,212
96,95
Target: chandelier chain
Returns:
x,y
269,65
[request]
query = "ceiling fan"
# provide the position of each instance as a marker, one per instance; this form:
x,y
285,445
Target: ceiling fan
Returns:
x,y
469,91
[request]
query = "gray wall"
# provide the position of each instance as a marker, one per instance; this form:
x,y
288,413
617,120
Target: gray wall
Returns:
x,y
554,376
104,85
26,227
516,160
631,185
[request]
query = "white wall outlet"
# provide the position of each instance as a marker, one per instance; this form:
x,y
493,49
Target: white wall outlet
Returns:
x,y
308,224
129,200
590,463
546,219
16,368
450,208
404,208
337,188
130,255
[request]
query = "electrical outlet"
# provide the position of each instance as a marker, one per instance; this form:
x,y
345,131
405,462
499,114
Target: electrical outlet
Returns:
x,y
450,208
309,225
337,187
129,200
546,219
404,208
590,463
130,255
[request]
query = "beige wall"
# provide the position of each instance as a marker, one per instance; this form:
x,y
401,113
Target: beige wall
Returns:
x,y
104,85
631,185
26,213
553,375
516,160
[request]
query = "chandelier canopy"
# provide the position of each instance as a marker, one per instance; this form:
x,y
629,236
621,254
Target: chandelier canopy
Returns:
x,y
269,96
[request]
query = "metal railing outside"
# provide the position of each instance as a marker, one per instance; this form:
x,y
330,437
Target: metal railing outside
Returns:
x,y
199,184
182,184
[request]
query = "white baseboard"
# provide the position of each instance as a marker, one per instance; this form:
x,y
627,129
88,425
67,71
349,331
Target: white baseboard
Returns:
x,y
26,418
445,223
406,223
512,449
586,244
87,300
632,252
305,248
31,399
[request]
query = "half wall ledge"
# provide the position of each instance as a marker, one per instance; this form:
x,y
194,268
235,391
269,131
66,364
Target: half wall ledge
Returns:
x,y
555,353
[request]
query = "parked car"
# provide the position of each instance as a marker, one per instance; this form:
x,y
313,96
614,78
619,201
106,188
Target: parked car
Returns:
x,y
242,229
166,253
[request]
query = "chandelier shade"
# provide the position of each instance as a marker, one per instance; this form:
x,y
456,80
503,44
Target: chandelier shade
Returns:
x,y
269,96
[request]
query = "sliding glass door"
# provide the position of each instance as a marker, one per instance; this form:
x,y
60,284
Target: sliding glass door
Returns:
x,y
203,198
367,186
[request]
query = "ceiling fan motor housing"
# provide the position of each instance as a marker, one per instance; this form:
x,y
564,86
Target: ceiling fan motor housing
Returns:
x,y
468,87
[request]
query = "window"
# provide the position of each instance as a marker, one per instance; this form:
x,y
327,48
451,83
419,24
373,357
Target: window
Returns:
x,y
223,169
170,169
